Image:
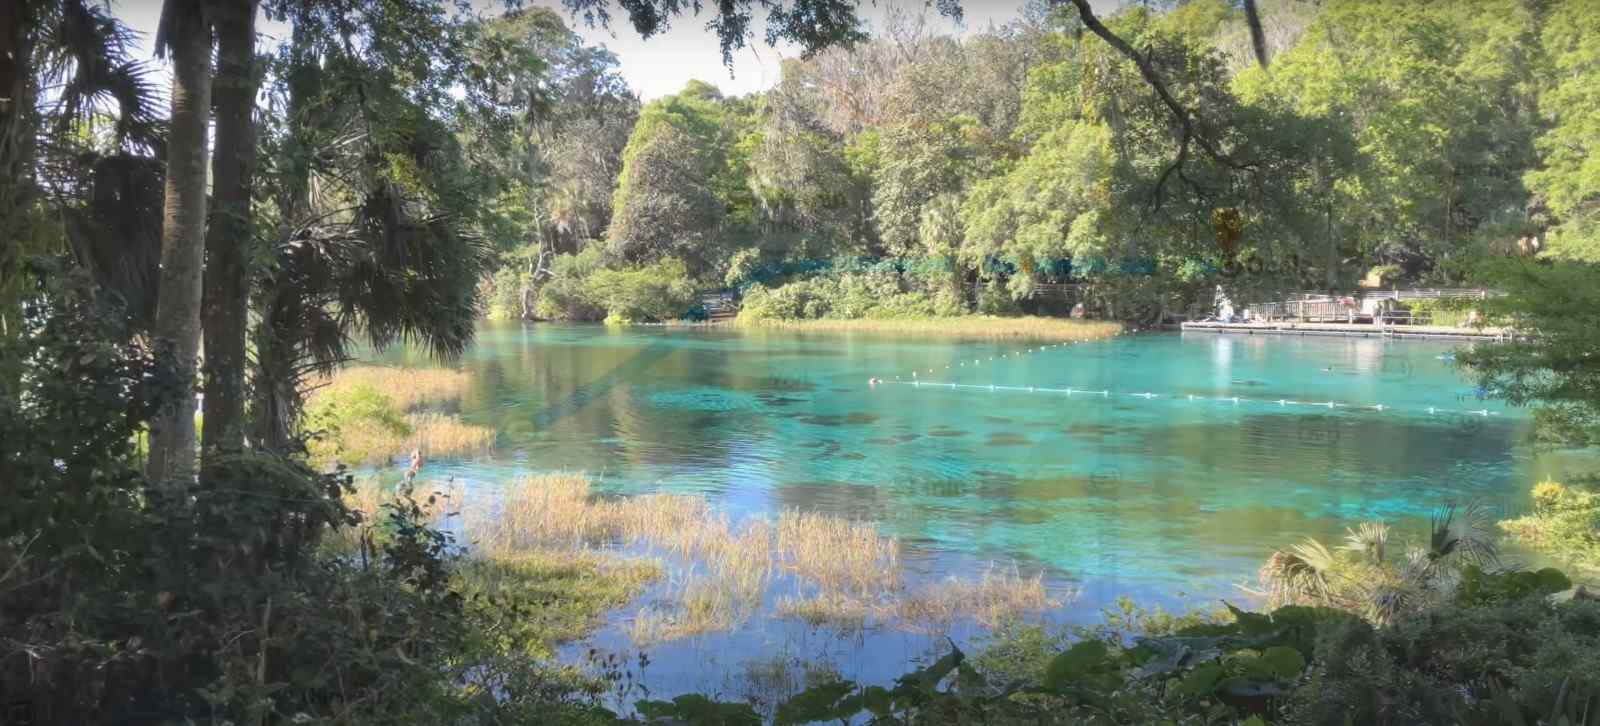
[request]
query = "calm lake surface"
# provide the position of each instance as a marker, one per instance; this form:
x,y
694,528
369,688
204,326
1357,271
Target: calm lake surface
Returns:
x,y
1148,480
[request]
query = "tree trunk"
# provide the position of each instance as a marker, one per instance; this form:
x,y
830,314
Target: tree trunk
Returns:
x,y
17,100
1258,36
187,35
229,237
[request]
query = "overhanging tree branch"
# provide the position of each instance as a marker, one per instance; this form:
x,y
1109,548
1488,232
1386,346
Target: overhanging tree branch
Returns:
x,y
1188,128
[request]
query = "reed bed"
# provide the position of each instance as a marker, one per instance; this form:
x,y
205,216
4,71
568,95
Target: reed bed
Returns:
x,y
850,571
969,327
838,554
409,389
371,415
1001,594
437,434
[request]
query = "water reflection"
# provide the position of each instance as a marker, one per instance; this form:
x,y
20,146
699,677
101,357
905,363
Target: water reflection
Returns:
x,y
1113,492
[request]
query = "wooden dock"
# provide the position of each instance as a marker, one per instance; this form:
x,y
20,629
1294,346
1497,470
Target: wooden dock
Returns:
x,y
1347,329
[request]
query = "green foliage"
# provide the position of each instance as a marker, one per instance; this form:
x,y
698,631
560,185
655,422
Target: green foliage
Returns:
x,y
342,419
567,295
1565,523
1556,310
123,601
847,296
1568,178
648,294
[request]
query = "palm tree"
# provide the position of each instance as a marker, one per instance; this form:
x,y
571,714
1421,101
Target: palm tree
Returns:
x,y
1366,582
185,34
373,213
101,180
226,293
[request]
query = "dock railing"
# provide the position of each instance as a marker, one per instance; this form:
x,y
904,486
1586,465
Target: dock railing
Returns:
x,y
1319,307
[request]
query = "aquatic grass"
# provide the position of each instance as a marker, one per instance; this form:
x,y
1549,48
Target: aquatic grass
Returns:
x,y
1001,595
437,434
409,389
828,608
556,596
838,554
371,415
846,572
969,327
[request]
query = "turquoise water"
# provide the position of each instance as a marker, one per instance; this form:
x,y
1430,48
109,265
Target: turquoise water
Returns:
x,y
1140,482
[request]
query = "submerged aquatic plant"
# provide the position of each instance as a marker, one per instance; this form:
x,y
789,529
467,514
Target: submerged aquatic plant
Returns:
x,y
846,571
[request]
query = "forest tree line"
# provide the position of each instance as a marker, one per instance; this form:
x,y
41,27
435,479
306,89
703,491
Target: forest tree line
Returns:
x,y
1391,143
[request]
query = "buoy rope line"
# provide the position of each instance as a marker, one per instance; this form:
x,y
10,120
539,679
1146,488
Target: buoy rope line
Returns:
x,y
1107,394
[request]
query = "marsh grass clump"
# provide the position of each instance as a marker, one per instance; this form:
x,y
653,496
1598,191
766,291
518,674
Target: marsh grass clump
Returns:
x,y
844,572
370,415
556,596
838,554
410,389
1000,595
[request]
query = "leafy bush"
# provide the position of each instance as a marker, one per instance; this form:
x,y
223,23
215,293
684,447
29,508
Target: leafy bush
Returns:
x,y
355,424
566,295
661,291
208,601
1565,523
504,293
869,293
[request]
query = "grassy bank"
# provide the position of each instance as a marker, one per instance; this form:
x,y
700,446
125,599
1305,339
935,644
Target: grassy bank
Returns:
x,y
371,414
971,327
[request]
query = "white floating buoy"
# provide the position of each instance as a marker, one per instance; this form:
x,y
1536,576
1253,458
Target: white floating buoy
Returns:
x,y
1069,391
1236,399
1430,410
1378,407
1483,412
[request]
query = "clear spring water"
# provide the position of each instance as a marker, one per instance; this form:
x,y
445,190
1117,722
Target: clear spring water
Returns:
x,y
1154,489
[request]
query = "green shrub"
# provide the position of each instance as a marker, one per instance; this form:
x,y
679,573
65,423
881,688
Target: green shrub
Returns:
x,y
1565,524
354,424
503,293
995,299
566,294
1453,312
857,294
656,293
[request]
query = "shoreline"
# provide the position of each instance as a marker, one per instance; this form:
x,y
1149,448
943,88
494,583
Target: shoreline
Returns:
x,y
968,327
1352,330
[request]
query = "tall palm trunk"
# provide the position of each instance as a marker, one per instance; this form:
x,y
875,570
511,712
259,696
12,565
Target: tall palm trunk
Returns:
x,y
17,97
186,34
228,239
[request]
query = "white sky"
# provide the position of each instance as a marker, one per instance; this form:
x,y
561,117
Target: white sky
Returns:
x,y
664,63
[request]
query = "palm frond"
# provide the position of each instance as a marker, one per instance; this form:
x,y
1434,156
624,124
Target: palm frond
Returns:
x,y
1369,539
1299,574
1463,535
84,59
